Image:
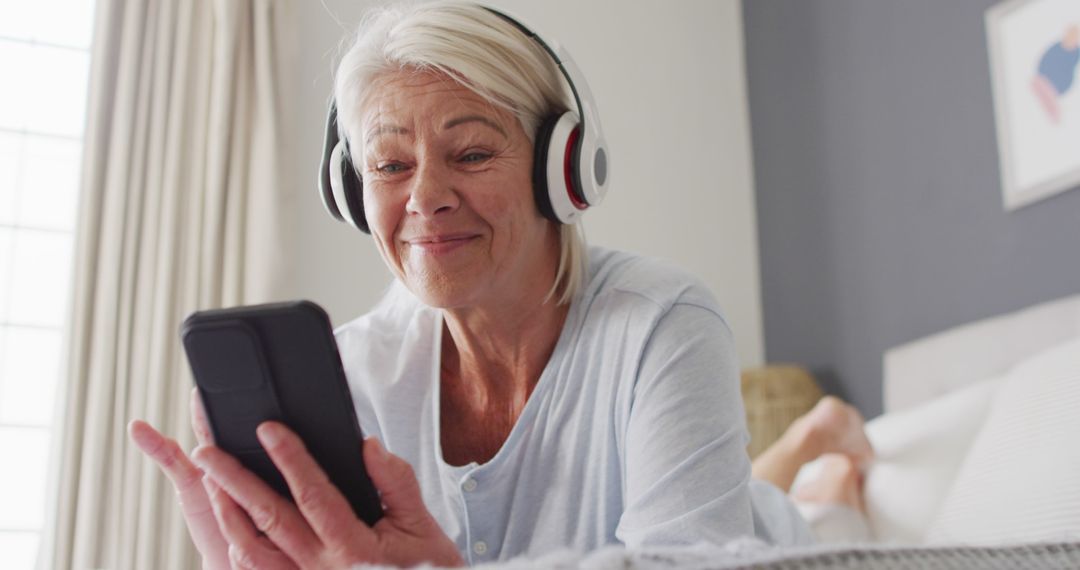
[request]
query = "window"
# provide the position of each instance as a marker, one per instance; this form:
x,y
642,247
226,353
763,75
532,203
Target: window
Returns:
x,y
44,63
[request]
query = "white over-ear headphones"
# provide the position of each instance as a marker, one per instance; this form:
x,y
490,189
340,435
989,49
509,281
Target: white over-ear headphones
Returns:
x,y
570,166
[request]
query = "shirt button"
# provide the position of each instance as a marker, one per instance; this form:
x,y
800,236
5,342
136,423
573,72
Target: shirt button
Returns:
x,y
469,485
480,547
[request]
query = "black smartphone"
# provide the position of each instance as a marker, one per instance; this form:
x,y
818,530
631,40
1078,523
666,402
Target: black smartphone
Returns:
x,y
280,362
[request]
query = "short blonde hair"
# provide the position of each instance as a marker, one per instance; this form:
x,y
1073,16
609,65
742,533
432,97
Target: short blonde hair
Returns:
x,y
481,51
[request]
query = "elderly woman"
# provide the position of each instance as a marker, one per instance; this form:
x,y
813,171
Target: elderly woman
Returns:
x,y
523,394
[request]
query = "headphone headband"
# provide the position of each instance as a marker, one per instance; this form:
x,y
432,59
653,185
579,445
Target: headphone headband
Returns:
x,y
594,185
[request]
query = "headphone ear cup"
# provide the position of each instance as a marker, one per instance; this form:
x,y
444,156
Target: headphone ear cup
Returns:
x,y
340,185
540,168
555,169
346,201
354,195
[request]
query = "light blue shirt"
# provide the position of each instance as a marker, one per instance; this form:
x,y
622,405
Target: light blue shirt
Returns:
x,y
634,434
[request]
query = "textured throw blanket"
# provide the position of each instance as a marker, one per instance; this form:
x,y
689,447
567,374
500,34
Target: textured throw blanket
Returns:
x,y
1040,556
751,554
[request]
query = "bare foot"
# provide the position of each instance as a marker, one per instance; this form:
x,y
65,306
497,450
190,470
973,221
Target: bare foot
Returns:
x,y
833,426
830,427
838,482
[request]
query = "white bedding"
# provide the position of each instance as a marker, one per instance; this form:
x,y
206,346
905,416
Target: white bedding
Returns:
x,y
918,450
1021,478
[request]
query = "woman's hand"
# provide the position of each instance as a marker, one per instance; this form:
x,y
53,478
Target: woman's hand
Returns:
x,y
187,480
264,530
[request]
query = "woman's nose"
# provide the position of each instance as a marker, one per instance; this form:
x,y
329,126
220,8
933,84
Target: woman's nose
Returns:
x,y
431,192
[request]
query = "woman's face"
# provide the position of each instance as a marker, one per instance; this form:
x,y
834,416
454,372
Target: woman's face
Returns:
x,y
448,193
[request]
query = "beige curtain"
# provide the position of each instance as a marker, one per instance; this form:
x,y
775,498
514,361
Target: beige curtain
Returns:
x,y
179,211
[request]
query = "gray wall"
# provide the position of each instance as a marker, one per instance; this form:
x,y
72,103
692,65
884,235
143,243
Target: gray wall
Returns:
x,y
879,204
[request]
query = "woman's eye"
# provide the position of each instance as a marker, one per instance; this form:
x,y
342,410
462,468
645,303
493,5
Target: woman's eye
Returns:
x,y
475,157
390,168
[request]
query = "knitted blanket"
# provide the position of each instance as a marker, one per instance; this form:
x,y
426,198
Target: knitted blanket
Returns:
x,y
752,554
1034,556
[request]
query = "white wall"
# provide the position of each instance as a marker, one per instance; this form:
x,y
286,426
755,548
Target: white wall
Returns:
x,y
670,87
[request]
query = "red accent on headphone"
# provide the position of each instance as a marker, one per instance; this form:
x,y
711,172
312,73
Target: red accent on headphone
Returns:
x,y
577,202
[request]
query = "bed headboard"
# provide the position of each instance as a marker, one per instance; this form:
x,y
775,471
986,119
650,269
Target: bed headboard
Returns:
x,y
931,366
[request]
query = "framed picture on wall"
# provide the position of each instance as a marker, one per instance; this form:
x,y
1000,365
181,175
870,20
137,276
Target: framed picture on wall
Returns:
x,y
1035,70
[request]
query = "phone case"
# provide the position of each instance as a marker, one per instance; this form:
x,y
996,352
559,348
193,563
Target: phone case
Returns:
x,y
280,362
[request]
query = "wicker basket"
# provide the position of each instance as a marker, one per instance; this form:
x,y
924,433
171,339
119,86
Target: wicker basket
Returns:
x,y
774,396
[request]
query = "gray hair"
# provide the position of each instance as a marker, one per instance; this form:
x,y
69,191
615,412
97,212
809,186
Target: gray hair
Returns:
x,y
481,51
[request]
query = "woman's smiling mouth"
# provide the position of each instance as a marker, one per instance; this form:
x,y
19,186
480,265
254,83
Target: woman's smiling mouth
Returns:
x,y
441,243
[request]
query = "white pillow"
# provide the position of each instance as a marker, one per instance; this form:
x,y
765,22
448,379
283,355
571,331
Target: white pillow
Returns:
x,y
1021,479
918,453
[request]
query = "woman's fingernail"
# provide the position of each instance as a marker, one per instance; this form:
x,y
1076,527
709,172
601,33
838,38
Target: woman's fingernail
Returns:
x,y
269,434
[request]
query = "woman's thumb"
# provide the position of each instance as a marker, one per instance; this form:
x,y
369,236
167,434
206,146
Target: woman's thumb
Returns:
x,y
396,482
